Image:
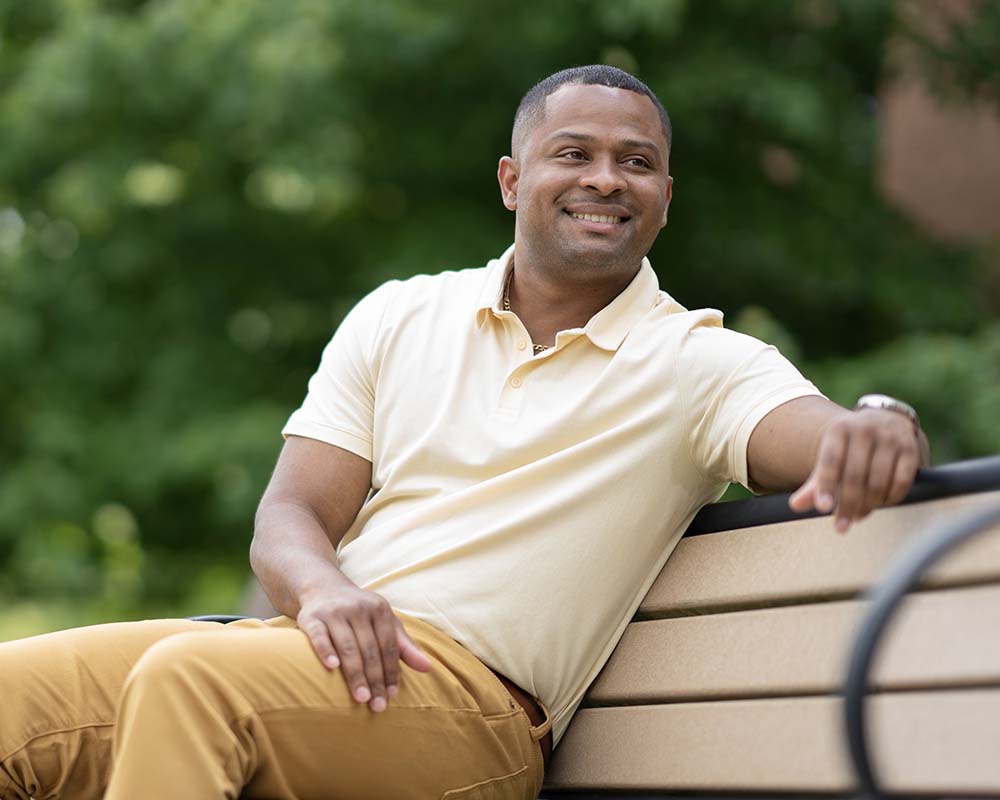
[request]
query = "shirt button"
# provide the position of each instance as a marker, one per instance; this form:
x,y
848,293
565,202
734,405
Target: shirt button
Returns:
x,y
521,344
515,382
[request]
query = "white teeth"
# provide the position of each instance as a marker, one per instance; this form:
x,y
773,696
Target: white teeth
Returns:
x,y
597,218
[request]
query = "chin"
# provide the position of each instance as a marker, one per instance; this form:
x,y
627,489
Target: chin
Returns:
x,y
594,255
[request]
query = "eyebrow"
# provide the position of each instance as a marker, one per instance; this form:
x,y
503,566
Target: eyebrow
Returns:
x,y
583,137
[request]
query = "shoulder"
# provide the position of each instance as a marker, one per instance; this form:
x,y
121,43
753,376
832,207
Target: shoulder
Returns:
x,y
400,297
703,329
675,323
433,286
418,305
699,341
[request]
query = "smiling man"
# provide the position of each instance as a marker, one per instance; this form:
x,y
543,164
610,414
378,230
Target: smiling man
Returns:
x,y
590,185
489,470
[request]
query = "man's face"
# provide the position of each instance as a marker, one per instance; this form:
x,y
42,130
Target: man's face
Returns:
x,y
590,183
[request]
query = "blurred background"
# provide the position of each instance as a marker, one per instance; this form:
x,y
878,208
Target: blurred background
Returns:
x,y
194,192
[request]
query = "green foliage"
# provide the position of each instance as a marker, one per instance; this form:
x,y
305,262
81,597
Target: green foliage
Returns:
x,y
193,193
952,380
962,52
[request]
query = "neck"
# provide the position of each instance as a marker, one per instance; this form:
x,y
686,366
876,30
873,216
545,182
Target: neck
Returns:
x,y
547,304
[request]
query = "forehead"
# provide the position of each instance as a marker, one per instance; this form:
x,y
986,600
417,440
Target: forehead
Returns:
x,y
602,112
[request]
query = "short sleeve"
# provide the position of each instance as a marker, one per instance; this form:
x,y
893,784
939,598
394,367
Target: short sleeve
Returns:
x,y
340,404
730,383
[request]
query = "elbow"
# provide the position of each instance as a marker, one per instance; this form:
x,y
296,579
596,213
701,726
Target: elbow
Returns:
x,y
257,543
254,553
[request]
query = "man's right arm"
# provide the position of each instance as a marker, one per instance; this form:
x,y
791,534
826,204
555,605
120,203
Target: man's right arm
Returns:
x,y
313,497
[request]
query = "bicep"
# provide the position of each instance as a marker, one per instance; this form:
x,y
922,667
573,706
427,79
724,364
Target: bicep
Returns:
x,y
782,448
731,383
329,481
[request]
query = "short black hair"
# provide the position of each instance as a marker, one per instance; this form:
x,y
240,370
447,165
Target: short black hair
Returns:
x,y
531,109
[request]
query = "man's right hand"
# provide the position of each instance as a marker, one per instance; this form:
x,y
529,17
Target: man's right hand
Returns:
x,y
357,631
299,523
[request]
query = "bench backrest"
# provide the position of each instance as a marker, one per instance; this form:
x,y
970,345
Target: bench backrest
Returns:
x,y
728,678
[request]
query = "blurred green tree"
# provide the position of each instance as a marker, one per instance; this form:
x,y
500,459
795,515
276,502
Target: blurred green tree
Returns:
x,y
960,48
193,193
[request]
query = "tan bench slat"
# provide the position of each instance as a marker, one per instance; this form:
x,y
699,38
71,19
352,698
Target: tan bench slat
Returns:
x,y
806,559
940,742
945,638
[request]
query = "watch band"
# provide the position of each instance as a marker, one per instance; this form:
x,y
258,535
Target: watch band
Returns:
x,y
886,403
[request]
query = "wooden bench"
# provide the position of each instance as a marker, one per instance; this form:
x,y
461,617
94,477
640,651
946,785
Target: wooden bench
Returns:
x,y
729,680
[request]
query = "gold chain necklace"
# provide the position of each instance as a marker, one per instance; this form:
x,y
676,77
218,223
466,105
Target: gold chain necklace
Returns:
x,y
537,348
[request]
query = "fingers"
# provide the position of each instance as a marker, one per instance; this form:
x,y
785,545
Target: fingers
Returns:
x,y
804,498
385,633
352,664
410,653
865,461
828,469
360,633
372,677
820,489
903,477
880,478
853,482
322,643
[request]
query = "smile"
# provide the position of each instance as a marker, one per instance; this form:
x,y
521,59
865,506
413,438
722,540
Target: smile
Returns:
x,y
597,218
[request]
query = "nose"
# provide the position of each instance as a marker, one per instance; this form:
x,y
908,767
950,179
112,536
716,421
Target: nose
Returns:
x,y
604,177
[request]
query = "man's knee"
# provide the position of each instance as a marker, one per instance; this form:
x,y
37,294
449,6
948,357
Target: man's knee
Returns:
x,y
189,661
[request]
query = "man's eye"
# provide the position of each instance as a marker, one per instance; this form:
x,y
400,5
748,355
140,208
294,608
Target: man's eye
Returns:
x,y
574,154
637,161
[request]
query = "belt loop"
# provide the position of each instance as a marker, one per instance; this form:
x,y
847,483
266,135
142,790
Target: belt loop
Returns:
x,y
538,731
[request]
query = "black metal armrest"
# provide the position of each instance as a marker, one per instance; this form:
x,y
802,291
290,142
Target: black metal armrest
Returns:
x,y
946,480
885,597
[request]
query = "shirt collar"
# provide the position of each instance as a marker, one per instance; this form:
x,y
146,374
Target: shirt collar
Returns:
x,y
491,295
608,328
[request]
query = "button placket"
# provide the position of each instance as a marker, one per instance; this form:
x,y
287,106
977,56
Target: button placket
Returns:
x,y
522,359
512,391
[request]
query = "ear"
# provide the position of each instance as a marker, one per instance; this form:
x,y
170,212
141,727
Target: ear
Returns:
x,y
670,195
507,173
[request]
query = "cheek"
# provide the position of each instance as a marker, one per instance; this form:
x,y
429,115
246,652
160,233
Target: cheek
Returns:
x,y
656,203
535,198
546,186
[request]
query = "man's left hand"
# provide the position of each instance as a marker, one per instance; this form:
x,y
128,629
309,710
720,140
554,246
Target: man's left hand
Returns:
x,y
865,459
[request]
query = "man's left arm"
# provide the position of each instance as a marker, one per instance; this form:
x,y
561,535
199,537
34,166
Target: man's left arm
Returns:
x,y
840,461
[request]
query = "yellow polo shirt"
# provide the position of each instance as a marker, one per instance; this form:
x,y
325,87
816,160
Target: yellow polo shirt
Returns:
x,y
524,504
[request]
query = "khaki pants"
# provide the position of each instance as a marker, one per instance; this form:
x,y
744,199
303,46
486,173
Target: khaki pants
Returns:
x,y
182,709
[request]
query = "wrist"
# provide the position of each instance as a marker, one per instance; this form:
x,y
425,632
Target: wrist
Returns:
x,y
884,402
322,581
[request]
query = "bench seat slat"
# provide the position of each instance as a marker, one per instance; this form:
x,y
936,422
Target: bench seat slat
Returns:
x,y
805,560
943,638
944,741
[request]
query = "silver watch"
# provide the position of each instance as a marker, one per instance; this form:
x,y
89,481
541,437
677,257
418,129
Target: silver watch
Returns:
x,y
887,403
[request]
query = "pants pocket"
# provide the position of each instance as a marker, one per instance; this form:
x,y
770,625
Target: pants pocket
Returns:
x,y
515,786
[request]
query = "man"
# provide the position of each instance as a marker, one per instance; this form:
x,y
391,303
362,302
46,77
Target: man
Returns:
x,y
489,470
